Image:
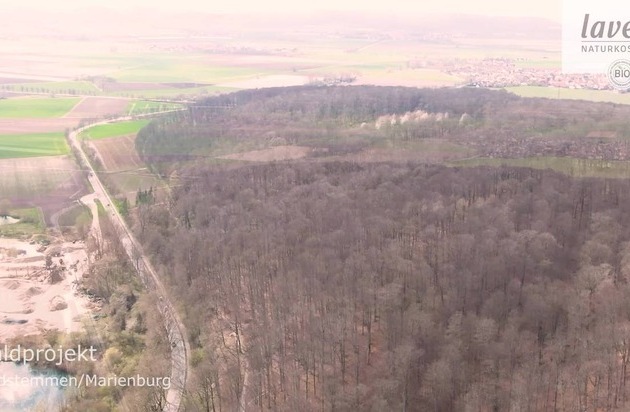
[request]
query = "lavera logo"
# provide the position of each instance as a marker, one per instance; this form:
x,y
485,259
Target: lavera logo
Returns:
x,y
596,34
619,74
605,30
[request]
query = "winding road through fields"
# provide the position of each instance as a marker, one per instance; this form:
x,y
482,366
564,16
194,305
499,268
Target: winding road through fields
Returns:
x,y
180,347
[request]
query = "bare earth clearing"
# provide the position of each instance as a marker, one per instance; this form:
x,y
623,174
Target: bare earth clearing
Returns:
x,y
95,107
271,154
30,304
400,155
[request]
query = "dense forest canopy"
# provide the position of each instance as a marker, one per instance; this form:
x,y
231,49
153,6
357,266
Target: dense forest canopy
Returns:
x,y
326,284
405,287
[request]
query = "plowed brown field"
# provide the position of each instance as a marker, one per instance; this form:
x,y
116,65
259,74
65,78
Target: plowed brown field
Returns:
x,y
95,107
51,182
18,126
118,153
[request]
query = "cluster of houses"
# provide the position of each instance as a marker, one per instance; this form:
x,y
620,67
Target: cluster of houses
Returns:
x,y
503,72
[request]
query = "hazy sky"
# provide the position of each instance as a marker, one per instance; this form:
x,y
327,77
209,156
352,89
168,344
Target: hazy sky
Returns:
x,y
539,8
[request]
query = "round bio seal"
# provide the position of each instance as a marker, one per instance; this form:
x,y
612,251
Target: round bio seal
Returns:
x,y
619,74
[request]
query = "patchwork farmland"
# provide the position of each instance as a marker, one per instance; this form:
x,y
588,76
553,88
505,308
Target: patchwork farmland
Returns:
x,y
35,163
36,169
39,115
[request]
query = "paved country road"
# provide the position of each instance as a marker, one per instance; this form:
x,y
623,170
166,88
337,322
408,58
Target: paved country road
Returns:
x,y
180,347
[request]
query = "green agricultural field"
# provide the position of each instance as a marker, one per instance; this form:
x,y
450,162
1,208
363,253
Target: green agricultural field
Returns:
x,y
103,131
571,94
143,107
33,145
36,107
567,165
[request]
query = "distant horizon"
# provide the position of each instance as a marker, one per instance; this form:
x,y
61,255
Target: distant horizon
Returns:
x,y
491,8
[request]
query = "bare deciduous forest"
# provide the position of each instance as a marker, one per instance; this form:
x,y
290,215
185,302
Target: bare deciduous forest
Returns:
x,y
329,285
339,121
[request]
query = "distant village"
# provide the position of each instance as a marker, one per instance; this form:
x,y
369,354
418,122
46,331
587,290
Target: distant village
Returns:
x,y
498,72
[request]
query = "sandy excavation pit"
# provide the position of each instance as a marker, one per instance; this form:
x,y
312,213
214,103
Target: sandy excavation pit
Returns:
x,y
29,303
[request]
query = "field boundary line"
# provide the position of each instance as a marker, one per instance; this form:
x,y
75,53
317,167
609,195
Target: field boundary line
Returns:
x,y
65,116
